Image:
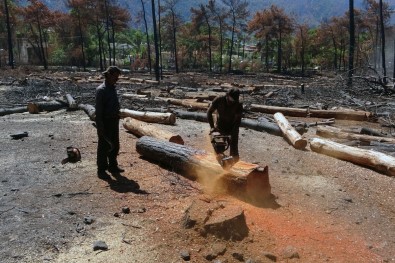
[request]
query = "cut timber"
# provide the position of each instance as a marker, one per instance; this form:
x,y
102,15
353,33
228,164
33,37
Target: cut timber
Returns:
x,y
289,132
134,96
88,109
192,104
245,180
4,111
378,161
36,107
325,114
71,102
296,112
154,117
333,132
140,128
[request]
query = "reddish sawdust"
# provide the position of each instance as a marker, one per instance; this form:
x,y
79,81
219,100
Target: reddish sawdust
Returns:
x,y
335,243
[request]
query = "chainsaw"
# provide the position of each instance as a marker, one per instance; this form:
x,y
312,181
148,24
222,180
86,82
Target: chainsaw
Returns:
x,y
220,144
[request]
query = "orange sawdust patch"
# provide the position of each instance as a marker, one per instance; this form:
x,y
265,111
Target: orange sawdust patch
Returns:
x,y
313,235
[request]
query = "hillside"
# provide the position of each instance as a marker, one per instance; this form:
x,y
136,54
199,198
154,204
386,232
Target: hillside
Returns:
x,y
310,11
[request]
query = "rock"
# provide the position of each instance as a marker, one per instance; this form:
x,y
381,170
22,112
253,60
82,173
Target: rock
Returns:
x,y
290,252
125,210
227,223
270,256
88,220
185,255
100,245
238,256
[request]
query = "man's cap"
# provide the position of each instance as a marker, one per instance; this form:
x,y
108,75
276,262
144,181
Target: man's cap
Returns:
x,y
111,70
233,93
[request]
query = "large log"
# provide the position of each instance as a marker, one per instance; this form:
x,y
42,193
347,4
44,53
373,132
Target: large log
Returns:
x,y
325,114
333,132
289,132
36,107
146,116
262,126
192,104
88,109
245,180
140,128
377,161
4,111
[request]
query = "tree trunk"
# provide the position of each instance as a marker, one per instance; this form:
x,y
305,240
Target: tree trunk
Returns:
x,y
140,128
245,180
192,104
332,132
289,132
377,161
36,107
4,111
155,117
325,114
89,110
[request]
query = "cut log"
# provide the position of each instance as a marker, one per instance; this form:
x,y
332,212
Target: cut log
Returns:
x,y
153,117
377,161
71,102
369,131
245,180
134,96
192,104
289,132
325,114
140,128
88,109
36,107
333,132
4,111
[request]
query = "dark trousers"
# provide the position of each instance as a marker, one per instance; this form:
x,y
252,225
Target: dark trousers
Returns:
x,y
229,129
107,155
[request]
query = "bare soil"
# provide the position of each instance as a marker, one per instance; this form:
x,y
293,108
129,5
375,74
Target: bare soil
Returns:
x,y
324,210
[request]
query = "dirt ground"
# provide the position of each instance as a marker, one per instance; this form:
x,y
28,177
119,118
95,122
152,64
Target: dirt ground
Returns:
x,y
324,209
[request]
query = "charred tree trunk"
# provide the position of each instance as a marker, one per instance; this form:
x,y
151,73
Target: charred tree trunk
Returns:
x,y
246,181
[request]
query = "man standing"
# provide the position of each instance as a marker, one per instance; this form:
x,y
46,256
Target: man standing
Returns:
x,y
229,112
107,124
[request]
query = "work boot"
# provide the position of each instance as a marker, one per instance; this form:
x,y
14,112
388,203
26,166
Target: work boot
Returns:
x,y
116,169
103,175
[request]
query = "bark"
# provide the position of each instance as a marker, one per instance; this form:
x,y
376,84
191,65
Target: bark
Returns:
x,y
289,132
245,180
36,107
377,161
140,128
4,111
325,114
88,109
333,132
155,117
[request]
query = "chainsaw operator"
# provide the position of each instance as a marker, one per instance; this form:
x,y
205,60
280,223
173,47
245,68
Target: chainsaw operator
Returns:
x,y
229,111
